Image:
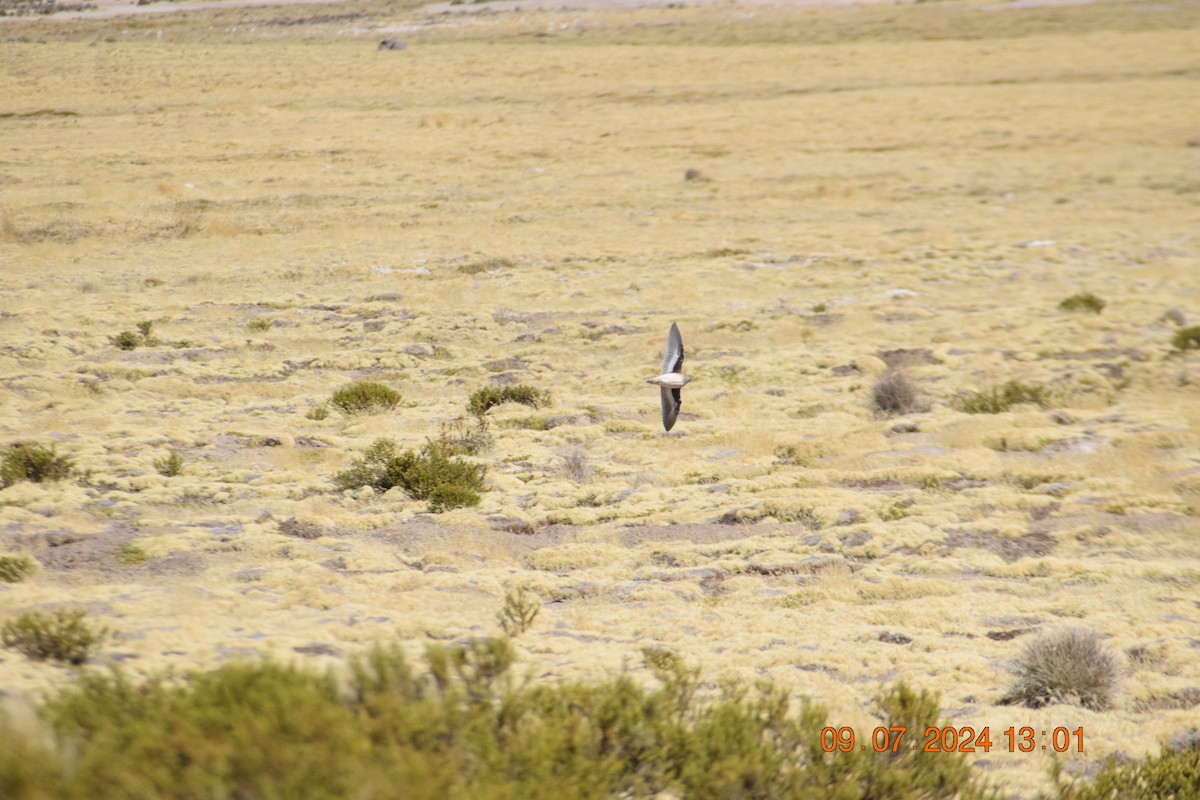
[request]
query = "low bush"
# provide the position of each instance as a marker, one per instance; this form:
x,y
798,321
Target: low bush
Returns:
x,y
431,474
459,729
484,399
14,569
169,465
129,340
1187,339
999,399
33,462
1172,773
365,397
894,394
1082,301
519,612
1064,666
66,635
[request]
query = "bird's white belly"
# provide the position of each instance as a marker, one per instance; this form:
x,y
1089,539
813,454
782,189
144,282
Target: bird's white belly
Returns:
x,y
674,380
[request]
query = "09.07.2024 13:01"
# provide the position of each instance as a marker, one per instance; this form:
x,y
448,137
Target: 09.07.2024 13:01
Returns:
x,y
953,740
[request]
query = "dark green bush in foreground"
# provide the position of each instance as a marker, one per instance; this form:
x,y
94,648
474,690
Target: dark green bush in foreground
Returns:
x,y
431,474
14,569
1172,773
489,396
459,729
365,397
33,462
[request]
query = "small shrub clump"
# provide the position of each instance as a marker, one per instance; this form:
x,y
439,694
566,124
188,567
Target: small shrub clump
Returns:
x,y
999,399
365,397
484,399
894,394
430,474
1064,666
33,462
1187,339
65,635
129,340
14,569
518,613
466,438
170,465
1083,301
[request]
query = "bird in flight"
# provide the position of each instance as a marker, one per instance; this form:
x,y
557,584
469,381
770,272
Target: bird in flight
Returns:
x,y
672,380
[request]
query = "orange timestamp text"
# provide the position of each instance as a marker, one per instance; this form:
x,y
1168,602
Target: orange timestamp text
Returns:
x,y
950,739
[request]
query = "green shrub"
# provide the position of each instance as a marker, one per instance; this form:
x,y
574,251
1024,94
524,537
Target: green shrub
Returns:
x,y
128,340
894,394
318,412
999,399
35,463
365,397
431,474
1172,773
131,554
490,396
65,635
1064,666
1083,301
460,729
519,612
1187,339
14,569
170,465
259,325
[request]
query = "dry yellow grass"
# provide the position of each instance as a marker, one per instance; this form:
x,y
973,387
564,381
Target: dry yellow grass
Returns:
x,y
291,208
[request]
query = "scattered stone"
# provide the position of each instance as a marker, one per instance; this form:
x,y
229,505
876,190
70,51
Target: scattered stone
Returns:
x,y
392,44
894,638
316,649
1004,636
857,539
249,575
847,516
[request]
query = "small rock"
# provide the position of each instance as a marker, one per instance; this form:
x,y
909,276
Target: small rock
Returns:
x,y
894,638
857,539
906,426
848,516
392,44
1061,417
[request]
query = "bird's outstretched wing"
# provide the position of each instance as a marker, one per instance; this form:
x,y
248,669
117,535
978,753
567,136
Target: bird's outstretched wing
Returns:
x,y
671,401
673,358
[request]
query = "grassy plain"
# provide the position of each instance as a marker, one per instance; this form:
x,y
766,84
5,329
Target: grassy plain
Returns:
x,y
814,195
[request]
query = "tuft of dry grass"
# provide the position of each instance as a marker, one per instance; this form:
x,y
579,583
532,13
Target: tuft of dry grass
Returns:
x,y
894,394
1069,665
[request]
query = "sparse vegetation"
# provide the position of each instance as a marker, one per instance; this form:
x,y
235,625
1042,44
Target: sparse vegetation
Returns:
x,y
468,437
1064,666
519,612
318,412
130,340
66,635
170,465
365,397
258,325
1173,773
460,729
131,554
35,463
1187,339
998,399
575,464
488,397
1082,301
894,394
14,569
431,474
486,265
